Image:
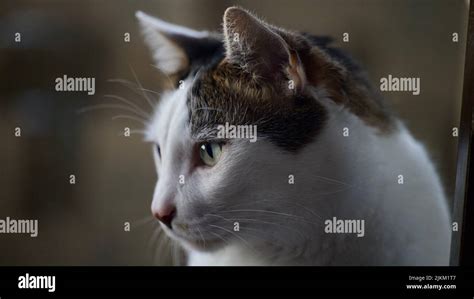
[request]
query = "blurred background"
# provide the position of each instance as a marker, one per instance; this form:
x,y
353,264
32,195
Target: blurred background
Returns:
x,y
83,223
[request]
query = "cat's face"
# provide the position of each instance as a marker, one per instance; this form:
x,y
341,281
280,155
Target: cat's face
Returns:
x,y
214,189
211,183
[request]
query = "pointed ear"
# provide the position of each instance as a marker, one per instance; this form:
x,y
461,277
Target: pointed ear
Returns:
x,y
176,48
260,49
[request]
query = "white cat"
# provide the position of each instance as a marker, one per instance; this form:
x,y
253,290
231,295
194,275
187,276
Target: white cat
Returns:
x,y
327,149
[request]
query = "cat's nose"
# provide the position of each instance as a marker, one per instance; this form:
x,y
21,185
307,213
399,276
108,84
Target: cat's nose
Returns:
x,y
166,214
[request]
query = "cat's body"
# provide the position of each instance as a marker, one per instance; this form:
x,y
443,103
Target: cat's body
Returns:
x,y
327,149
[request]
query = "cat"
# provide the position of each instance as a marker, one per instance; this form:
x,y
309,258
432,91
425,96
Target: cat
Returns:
x,y
327,150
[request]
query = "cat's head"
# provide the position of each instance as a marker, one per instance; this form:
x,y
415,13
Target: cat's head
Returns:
x,y
215,189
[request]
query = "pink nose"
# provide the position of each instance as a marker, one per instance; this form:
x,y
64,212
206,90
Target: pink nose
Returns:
x,y
166,214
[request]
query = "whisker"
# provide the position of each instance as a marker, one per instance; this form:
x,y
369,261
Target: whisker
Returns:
x,y
141,87
175,253
319,217
331,180
112,106
162,246
236,235
149,90
202,237
222,217
122,116
145,114
163,73
143,221
128,84
263,211
133,87
152,241
220,237
259,221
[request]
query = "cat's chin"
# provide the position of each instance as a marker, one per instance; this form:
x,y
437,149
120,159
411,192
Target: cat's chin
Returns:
x,y
199,244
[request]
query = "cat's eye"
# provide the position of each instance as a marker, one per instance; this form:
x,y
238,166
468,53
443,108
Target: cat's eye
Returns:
x,y
210,152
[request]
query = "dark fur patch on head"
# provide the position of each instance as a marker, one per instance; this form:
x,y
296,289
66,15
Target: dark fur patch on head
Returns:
x,y
209,52
342,77
242,76
226,91
227,94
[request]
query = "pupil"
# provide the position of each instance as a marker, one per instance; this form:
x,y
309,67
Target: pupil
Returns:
x,y
209,151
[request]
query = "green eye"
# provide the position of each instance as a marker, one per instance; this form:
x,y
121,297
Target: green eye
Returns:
x,y
210,153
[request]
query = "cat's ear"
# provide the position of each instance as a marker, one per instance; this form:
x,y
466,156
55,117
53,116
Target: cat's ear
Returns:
x,y
257,47
175,48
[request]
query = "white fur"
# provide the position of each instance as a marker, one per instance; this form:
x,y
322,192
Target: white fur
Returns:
x,y
169,57
354,177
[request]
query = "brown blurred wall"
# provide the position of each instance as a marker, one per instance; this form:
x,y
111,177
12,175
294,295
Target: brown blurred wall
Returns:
x,y
82,224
